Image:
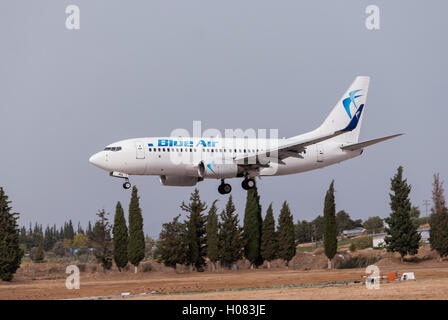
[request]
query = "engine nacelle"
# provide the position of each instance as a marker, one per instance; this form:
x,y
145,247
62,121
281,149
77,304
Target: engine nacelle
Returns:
x,y
218,171
179,181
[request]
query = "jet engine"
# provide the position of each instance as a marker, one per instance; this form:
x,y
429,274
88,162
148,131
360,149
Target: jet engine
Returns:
x,y
218,171
179,181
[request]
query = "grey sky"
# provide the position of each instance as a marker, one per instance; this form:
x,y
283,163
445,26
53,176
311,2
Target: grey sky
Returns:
x,y
144,68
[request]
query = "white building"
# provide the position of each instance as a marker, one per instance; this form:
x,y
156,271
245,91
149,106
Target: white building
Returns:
x,y
378,238
353,232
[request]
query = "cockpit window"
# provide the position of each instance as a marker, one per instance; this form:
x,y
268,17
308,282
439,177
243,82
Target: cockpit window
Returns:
x,y
112,149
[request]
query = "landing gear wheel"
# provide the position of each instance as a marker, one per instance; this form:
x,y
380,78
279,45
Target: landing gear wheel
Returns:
x,y
224,188
248,183
127,185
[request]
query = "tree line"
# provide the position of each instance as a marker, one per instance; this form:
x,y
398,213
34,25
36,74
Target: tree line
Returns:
x,y
402,223
312,231
34,236
220,238
205,234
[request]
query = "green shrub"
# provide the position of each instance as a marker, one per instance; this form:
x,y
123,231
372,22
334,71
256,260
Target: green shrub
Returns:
x,y
363,242
37,254
352,247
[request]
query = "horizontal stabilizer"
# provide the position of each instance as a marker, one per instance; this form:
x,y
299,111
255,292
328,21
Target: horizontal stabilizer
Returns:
x,y
361,145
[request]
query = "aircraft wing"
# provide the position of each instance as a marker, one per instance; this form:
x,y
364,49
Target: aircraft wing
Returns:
x,y
361,145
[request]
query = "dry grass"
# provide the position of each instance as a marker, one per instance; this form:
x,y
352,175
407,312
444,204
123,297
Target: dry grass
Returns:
x,y
47,281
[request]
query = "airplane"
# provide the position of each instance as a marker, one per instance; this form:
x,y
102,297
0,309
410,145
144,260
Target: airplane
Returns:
x,y
185,161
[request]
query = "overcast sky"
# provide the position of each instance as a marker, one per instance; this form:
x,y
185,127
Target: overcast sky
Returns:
x,y
144,68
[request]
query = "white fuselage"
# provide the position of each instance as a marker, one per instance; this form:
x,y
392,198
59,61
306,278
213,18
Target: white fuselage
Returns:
x,y
180,156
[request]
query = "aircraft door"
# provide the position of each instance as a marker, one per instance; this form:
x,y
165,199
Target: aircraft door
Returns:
x,y
140,150
320,152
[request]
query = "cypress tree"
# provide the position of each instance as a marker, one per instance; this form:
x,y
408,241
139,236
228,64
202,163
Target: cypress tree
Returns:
x,y
172,246
89,228
402,233
269,245
136,246
196,233
69,231
10,252
252,228
230,236
212,235
330,230
286,243
102,242
80,229
120,238
438,220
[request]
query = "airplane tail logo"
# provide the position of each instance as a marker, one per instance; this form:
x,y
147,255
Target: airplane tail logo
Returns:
x,y
351,100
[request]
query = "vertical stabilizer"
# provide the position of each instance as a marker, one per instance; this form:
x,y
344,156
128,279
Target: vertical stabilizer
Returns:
x,y
354,99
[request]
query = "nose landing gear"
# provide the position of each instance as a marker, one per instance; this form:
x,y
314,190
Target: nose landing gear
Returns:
x,y
125,176
224,188
127,184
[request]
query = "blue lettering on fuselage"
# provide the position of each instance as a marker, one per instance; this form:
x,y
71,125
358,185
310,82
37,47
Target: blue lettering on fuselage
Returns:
x,y
180,143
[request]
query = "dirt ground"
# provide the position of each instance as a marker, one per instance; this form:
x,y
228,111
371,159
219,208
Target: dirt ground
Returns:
x,y
411,290
47,281
434,279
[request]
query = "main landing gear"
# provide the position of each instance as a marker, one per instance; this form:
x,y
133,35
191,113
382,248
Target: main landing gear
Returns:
x,y
248,183
224,188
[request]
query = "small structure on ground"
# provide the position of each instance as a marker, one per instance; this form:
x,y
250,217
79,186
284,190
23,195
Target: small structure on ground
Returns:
x,y
378,238
353,232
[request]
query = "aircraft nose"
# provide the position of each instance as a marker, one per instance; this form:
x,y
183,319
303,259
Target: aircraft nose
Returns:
x,y
96,159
